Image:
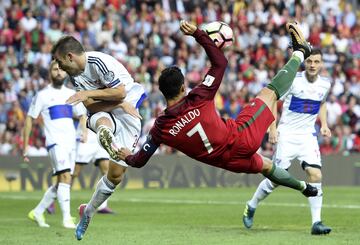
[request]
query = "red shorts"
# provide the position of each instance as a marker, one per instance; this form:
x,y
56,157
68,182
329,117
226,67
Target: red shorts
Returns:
x,y
252,123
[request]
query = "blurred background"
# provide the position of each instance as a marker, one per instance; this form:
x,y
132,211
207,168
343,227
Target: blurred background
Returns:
x,y
144,36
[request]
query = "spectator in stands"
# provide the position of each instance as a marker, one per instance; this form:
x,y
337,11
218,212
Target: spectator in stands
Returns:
x,y
144,36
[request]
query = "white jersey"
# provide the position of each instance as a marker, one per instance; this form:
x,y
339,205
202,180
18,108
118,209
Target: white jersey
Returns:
x,y
302,104
57,115
104,71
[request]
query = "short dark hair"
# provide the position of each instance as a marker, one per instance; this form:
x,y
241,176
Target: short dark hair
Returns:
x,y
316,51
67,44
170,82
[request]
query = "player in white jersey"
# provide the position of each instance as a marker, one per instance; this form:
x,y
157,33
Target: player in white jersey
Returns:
x,y
50,102
296,137
112,97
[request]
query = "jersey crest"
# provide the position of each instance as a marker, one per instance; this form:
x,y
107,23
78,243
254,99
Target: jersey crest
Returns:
x,y
109,76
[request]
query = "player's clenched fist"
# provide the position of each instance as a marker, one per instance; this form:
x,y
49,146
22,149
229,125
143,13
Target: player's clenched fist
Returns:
x,y
325,131
187,28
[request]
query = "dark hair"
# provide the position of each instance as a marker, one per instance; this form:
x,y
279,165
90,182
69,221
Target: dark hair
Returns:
x,y
67,44
170,82
316,51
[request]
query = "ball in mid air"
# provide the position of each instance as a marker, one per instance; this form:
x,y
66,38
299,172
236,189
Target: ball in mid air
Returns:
x,y
220,33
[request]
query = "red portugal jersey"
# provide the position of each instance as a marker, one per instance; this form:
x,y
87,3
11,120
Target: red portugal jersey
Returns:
x,y
193,125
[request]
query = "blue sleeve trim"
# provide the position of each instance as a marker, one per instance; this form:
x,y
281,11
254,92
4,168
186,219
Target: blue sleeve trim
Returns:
x,y
50,146
114,83
140,101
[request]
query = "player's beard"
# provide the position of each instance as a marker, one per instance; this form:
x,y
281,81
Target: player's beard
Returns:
x,y
58,81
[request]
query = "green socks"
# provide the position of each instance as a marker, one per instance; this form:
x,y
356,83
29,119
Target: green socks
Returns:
x,y
283,80
282,177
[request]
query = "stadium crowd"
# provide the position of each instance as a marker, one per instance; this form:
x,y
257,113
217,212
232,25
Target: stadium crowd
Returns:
x,y
145,37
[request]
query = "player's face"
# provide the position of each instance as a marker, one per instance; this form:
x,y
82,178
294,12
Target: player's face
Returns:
x,y
57,75
68,64
313,65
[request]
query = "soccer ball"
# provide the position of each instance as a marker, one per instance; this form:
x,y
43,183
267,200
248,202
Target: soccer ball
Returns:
x,y
220,33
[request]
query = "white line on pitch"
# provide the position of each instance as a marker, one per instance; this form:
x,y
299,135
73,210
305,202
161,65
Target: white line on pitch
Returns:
x,y
210,202
174,201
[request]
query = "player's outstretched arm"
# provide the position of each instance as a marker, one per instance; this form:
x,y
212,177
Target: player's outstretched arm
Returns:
x,y
116,94
95,106
216,55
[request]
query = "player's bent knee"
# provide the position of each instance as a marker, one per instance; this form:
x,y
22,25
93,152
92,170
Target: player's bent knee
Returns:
x,y
115,179
115,173
65,177
315,177
101,118
267,165
268,96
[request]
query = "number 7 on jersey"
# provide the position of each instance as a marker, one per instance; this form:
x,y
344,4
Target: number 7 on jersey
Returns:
x,y
198,128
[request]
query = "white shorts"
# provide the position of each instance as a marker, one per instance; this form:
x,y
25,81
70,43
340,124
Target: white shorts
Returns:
x,y
304,148
89,152
62,158
126,129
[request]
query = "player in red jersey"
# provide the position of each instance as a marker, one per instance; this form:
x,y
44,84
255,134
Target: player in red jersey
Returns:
x,y
191,124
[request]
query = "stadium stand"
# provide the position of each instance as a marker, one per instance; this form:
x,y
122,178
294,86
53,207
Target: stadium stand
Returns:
x,y
144,36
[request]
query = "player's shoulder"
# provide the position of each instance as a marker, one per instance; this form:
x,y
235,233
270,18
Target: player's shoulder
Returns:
x,y
325,80
157,127
44,92
99,56
68,90
299,74
104,63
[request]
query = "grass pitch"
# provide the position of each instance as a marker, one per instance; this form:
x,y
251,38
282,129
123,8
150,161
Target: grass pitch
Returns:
x,y
188,216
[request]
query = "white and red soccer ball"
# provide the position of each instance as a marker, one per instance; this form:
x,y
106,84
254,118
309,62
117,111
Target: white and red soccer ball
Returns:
x,y
220,33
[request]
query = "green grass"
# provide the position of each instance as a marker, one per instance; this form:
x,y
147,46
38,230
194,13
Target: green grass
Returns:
x,y
189,216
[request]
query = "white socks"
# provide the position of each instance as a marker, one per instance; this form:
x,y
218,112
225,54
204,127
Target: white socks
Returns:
x,y
103,205
299,54
316,203
63,195
62,192
103,191
47,199
264,189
